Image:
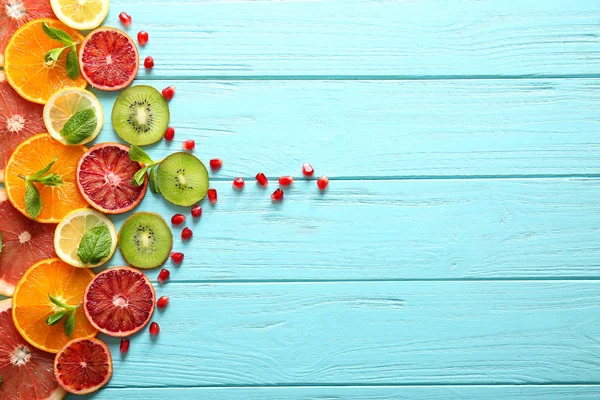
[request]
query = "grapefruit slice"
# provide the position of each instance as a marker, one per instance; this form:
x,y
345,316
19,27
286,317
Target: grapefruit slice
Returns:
x,y
108,59
24,242
104,176
14,13
83,366
27,373
119,301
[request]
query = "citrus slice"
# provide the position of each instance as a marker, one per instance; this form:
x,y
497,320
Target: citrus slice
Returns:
x,y
63,105
24,242
19,120
27,373
109,59
119,301
83,366
14,13
81,14
32,305
31,156
70,231
24,65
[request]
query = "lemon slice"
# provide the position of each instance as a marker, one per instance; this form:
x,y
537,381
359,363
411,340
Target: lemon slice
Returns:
x,y
81,14
63,105
72,228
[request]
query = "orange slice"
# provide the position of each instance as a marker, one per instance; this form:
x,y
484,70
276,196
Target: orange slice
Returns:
x,y
31,304
24,65
31,156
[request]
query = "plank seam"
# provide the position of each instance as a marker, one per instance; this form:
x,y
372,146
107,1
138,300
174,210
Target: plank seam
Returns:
x,y
361,77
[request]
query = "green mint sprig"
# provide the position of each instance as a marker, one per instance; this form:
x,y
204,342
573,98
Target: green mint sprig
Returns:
x,y
139,155
33,200
95,245
66,314
80,126
68,43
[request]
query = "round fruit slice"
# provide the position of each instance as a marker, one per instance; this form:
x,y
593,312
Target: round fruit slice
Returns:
x,y
104,177
119,301
32,304
182,179
24,242
25,67
19,120
99,246
27,373
83,366
81,14
145,240
14,13
140,115
63,105
108,59
32,156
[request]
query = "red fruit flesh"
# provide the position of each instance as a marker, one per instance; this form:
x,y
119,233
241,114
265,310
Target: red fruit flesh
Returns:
x,y
212,195
216,163
104,176
119,301
262,179
286,180
177,257
124,347
178,219
163,275
162,302
196,211
83,366
277,195
142,37
322,182
238,183
186,233
307,169
168,92
125,18
16,13
189,145
154,329
109,59
169,134
149,62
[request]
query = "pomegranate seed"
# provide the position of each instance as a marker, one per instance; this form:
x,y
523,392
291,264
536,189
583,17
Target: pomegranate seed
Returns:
x,y
178,219
125,18
286,180
168,92
149,62
163,275
177,257
238,183
124,345
323,182
196,211
186,233
216,163
189,145
169,133
262,179
277,195
307,169
154,329
212,195
162,302
142,38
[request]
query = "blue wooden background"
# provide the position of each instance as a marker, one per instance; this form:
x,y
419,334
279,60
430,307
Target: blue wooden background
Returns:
x,y
456,253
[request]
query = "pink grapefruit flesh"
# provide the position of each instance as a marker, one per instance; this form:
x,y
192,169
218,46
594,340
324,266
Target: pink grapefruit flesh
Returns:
x,y
83,366
119,301
24,243
27,372
109,59
15,13
104,176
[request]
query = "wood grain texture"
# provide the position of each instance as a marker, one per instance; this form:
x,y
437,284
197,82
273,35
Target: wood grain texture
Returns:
x,y
366,37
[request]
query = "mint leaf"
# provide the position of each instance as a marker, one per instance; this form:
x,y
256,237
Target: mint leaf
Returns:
x,y
139,155
80,126
56,317
58,34
72,63
69,326
95,245
51,180
44,170
139,177
53,55
59,303
154,180
33,201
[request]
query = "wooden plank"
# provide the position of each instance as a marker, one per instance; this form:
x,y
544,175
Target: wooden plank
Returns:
x,y
396,128
362,37
517,332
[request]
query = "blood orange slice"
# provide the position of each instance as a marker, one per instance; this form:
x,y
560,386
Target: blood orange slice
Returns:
x,y
24,243
27,373
14,13
83,366
109,59
104,176
119,301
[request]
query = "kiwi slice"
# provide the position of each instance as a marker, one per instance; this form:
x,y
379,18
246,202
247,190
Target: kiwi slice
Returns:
x,y
145,240
140,115
182,179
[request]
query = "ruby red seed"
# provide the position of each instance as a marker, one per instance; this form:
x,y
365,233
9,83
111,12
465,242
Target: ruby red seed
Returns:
x,y
169,133
177,257
168,92
307,169
142,38
163,275
149,62
322,182
124,345
196,211
186,233
216,163
162,302
178,219
286,180
125,18
154,329
238,183
277,195
262,179
212,195
189,145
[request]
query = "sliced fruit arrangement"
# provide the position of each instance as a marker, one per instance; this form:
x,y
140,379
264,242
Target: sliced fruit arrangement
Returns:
x,y
31,71
85,238
119,301
145,240
81,14
140,115
83,366
14,13
27,373
108,59
104,177
73,116
182,179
